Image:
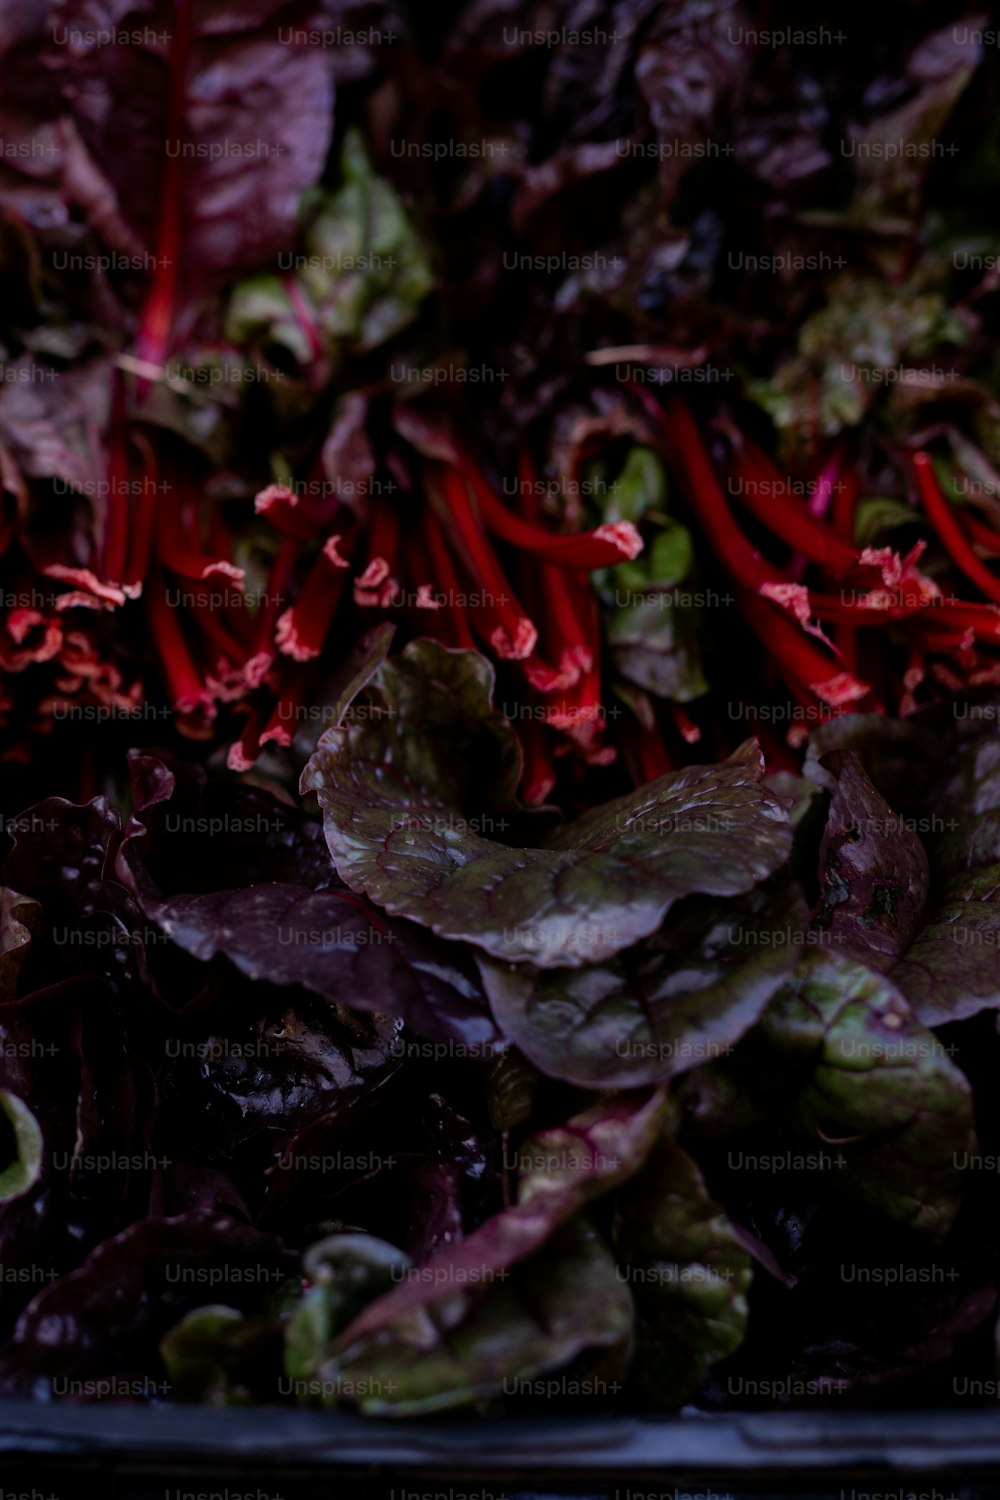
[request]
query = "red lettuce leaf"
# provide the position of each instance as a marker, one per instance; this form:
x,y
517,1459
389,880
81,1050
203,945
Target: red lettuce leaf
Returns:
x,y
874,876
103,1322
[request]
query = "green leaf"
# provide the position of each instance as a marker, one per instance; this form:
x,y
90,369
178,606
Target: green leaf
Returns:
x,y
651,628
381,271
23,1171
878,514
262,311
564,1167
688,1274
671,554
640,487
208,1352
681,999
653,640
565,1301
404,793
345,1273
362,271
944,944
875,1082
865,329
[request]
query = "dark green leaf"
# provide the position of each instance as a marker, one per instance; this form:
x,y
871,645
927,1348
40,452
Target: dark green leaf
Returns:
x,y
873,1081
24,1169
403,795
688,1274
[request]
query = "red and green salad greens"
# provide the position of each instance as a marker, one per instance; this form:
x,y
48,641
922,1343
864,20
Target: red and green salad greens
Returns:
x,y
499,607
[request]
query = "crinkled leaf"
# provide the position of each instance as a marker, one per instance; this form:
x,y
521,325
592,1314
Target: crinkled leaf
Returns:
x,y
19,919
949,784
192,832
272,1061
400,825
107,1318
680,999
688,1274
63,858
60,854
864,327
273,930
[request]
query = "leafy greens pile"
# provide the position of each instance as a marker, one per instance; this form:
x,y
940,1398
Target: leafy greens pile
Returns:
x,y
443,1100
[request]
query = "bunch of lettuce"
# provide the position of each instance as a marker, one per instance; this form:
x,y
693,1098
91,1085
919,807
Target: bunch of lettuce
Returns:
x,y
442,1101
